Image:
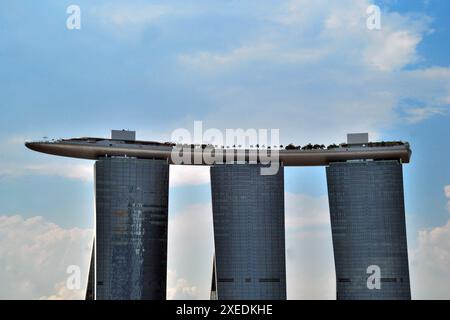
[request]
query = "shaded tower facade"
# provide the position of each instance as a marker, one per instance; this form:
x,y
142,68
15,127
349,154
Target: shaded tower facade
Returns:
x,y
368,227
90,288
249,236
131,228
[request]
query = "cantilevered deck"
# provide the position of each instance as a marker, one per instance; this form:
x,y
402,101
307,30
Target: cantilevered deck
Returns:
x,y
95,148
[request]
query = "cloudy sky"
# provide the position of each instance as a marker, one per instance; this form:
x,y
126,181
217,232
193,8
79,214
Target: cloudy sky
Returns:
x,y
310,68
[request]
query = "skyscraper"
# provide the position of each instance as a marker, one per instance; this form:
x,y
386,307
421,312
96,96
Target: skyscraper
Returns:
x,y
248,219
368,227
131,228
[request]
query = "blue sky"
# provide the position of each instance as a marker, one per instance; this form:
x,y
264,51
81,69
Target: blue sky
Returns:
x,y
313,70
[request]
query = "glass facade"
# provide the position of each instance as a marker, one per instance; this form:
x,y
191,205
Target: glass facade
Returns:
x,y
249,236
131,228
368,227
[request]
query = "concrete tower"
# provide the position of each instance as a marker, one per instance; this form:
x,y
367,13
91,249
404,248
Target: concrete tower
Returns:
x,y
369,233
131,228
248,218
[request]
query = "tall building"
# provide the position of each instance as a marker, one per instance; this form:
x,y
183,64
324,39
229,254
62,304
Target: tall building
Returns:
x,y
368,228
131,228
248,219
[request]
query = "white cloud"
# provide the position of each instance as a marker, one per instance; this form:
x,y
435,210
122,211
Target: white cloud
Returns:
x,y
128,21
303,210
83,172
300,13
34,256
317,63
190,252
310,265
309,251
393,51
415,115
430,264
262,52
62,292
318,30
447,191
179,288
188,175
132,14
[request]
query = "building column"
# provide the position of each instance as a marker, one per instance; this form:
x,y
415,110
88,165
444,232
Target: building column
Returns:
x,y
131,228
249,235
369,233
